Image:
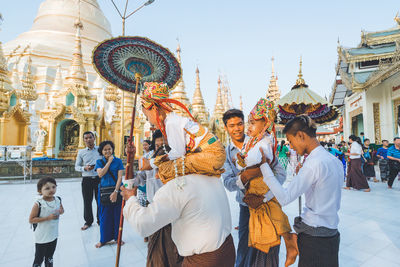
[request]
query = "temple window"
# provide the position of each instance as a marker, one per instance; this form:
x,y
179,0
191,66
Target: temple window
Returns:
x,y
13,100
69,99
368,64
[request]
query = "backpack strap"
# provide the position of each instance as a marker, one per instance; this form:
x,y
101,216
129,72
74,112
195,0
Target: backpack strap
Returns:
x,y
39,206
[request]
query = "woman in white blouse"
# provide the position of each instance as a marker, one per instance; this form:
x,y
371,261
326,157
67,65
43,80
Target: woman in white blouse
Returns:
x,y
355,177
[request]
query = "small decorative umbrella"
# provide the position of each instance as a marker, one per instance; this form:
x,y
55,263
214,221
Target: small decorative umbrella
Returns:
x,y
125,62
301,100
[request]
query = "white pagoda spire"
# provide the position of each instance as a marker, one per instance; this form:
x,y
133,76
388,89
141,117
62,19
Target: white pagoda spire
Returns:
x,y
198,106
179,92
273,93
219,106
77,73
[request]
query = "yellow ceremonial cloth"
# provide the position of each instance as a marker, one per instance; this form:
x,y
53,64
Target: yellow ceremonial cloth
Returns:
x,y
209,161
268,222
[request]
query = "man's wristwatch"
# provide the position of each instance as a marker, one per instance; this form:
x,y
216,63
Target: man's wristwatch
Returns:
x,y
116,191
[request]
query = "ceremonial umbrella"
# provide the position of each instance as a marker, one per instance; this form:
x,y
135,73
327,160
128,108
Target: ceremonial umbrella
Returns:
x,y
126,62
301,100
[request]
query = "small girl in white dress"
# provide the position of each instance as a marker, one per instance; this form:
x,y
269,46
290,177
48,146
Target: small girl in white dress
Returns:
x,y
44,219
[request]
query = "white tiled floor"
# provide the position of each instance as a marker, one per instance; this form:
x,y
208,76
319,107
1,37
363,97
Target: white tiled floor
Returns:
x,y
370,229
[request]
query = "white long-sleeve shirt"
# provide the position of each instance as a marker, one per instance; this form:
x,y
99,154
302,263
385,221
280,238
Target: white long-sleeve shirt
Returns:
x,y
176,135
195,205
321,180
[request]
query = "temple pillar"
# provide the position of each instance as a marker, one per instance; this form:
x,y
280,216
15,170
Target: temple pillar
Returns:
x,y
2,131
51,138
91,126
81,131
98,131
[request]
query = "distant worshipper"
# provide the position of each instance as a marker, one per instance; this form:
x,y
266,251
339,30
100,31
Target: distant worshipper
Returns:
x,y
85,162
383,160
320,178
267,221
355,177
197,208
110,169
393,155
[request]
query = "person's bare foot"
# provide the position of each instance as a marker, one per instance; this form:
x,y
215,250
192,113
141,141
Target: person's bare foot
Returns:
x,y
99,245
367,190
375,180
85,227
346,187
291,248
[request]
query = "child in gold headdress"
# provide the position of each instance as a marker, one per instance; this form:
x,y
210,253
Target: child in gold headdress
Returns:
x,y
267,222
193,148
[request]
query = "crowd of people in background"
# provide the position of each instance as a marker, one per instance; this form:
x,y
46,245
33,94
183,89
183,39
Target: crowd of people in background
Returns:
x,y
359,158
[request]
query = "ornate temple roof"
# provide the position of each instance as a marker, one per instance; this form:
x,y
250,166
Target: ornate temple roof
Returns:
x,y
376,58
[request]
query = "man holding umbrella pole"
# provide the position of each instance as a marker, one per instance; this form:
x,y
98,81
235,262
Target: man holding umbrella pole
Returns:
x,y
320,179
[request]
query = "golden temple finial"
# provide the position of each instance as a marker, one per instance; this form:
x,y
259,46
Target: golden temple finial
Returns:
x,y
28,91
397,18
77,72
300,80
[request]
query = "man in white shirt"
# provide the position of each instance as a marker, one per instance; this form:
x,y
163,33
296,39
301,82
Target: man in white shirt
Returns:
x,y
85,162
320,179
197,208
161,250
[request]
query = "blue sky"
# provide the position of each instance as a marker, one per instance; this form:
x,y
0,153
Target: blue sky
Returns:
x,y
238,38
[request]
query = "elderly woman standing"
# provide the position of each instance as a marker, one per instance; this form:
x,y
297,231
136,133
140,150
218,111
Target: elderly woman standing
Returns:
x,y
355,177
109,169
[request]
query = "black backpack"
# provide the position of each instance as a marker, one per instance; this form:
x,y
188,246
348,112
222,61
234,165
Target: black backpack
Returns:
x,y
34,225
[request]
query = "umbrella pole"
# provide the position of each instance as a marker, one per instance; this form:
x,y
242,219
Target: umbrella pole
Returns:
x,y
129,170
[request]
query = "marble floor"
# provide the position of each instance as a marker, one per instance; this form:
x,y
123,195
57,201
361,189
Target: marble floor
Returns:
x,y
369,227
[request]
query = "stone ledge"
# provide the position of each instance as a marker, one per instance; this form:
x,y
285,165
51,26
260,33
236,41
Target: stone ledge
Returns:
x,y
54,168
